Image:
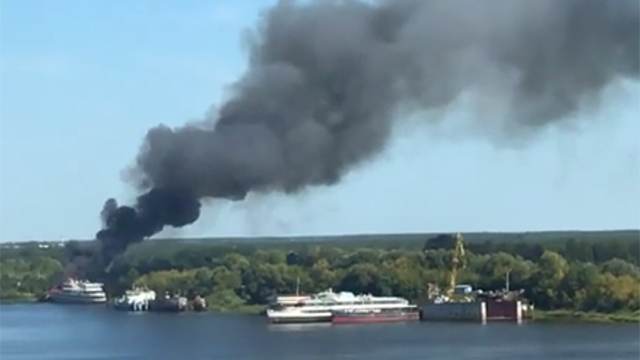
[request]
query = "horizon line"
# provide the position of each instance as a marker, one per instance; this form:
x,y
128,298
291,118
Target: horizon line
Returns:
x,y
335,235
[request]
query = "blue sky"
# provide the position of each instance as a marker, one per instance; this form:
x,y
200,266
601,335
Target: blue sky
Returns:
x,y
81,82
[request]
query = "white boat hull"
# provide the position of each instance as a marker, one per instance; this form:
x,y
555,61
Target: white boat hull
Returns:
x,y
289,317
77,299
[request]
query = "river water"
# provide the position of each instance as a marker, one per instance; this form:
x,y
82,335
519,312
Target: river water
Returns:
x,y
49,331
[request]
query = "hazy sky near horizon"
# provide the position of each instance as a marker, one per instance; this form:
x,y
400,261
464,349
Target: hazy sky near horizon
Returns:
x,y
81,83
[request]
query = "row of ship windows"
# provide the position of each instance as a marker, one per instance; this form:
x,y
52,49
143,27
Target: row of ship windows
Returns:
x,y
349,303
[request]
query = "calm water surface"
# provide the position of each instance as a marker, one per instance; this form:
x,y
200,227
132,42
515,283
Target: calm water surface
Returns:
x,y
47,331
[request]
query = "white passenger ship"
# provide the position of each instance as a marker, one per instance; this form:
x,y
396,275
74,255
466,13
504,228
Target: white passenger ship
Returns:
x,y
322,306
73,291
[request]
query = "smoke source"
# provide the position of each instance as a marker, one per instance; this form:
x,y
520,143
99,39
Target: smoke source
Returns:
x,y
325,79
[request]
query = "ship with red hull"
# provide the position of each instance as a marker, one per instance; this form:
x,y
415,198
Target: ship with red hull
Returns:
x,y
342,307
367,317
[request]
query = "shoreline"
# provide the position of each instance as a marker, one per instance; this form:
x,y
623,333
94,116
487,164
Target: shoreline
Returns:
x,y
560,315
567,315
242,309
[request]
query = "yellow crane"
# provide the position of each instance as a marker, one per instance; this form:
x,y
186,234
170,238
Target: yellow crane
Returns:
x,y
457,262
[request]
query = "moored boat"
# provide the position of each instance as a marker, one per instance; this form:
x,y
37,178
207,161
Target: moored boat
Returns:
x,y
199,303
169,304
323,306
73,291
137,299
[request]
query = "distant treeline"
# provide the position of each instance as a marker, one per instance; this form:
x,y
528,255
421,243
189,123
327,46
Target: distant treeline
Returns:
x,y
577,272
572,249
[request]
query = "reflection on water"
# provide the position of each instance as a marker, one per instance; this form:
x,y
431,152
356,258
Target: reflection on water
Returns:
x,y
298,327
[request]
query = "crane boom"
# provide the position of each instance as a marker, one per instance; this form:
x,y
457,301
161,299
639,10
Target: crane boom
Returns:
x,y
457,262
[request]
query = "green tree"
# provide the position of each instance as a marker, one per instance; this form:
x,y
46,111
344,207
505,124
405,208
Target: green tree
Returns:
x,y
224,278
406,277
367,279
493,271
236,262
322,275
552,268
579,287
619,267
578,250
224,300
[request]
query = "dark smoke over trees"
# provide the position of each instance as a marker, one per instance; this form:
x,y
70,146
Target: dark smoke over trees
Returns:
x,y
326,79
124,225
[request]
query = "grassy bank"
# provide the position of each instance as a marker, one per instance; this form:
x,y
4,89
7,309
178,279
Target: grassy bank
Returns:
x,y
582,316
243,309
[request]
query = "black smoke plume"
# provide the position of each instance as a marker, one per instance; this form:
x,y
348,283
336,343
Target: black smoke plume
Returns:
x,y
124,225
326,79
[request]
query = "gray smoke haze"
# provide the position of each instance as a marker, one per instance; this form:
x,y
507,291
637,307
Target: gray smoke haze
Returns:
x,y
325,79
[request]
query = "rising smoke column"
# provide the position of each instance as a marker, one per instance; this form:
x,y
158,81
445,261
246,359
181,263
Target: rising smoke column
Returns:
x,y
325,79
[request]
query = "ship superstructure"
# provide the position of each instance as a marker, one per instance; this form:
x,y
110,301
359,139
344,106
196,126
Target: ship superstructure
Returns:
x,y
73,291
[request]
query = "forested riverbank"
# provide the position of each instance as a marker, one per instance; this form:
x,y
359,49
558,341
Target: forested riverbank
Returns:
x,y
577,275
